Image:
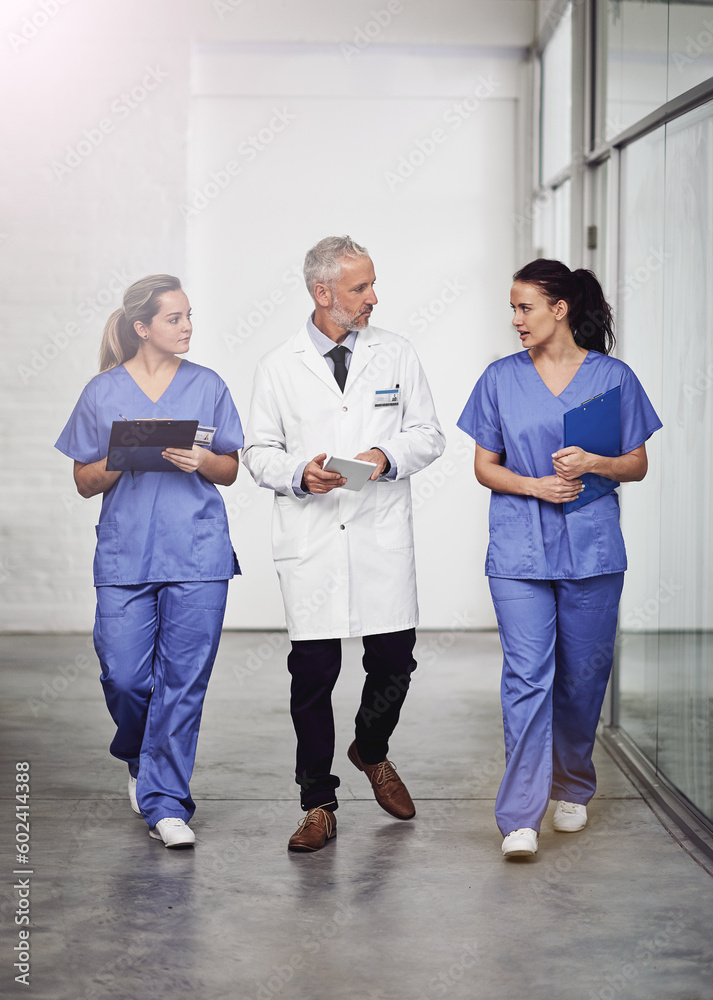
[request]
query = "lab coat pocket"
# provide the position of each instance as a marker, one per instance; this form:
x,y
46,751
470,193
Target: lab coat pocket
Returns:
x,y
212,551
510,548
290,519
106,557
393,521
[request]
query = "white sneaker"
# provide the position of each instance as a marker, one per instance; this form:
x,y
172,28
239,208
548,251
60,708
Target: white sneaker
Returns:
x,y
173,832
520,843
570,817
132,795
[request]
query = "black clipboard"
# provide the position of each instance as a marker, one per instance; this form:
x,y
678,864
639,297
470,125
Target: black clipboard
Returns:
x,y
595,426
136,445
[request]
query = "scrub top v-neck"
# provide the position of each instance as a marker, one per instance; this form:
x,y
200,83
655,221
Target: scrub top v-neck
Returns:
x,y
513,413
157,527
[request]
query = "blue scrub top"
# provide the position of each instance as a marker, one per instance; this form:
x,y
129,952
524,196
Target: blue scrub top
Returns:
x,y
512,412
162,526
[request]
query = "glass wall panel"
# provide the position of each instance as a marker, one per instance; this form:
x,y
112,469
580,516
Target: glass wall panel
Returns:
x,y
551,226
598,257
556,119
690,46
686,620
665,657
640,332
637,56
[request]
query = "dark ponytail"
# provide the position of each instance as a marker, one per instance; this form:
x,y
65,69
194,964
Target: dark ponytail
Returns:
x,y
590,316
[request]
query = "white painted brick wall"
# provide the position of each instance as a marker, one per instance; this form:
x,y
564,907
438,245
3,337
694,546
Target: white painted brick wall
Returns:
x,y
70,243
69,240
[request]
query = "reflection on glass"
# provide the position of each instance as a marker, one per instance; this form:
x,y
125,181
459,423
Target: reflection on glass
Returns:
x,y
556,126
640,332
666,329
637,53
686,668
690,46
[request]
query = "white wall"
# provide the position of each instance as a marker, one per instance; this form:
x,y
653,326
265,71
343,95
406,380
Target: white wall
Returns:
x,y
378,148
72,240
73,237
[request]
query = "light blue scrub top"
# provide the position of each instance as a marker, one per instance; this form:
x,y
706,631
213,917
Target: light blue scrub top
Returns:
x,y
512,412
157,527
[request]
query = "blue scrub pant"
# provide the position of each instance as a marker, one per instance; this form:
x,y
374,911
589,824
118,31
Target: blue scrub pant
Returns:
x,y
157,643
558,645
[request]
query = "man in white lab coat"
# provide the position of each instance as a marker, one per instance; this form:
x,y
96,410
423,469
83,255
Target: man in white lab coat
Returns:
x,y
344,558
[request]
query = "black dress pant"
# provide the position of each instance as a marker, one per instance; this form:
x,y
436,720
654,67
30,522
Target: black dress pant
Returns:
x,y
314,665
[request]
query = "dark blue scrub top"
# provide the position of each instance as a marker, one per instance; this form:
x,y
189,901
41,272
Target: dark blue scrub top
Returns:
x,y
157,527
513,413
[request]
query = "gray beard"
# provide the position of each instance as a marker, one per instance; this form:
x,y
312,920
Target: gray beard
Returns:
x,y
344,321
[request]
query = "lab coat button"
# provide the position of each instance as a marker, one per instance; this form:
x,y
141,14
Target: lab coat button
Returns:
x,y
345,408
341,527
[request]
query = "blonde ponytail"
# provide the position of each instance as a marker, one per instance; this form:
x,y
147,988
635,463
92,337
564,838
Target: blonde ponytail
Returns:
x,y
120,341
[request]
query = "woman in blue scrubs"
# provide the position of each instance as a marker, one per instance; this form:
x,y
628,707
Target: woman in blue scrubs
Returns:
x,y
555,580
163,557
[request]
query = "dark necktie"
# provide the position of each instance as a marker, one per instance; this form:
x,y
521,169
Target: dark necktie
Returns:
x,y
338,356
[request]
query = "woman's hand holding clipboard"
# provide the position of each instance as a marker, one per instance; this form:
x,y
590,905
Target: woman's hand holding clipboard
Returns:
x,y
595,427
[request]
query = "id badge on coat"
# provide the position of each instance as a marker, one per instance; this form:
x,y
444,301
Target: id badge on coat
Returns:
x,y
387,397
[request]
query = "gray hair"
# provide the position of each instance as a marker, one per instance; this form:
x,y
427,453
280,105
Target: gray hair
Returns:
x,y
323,263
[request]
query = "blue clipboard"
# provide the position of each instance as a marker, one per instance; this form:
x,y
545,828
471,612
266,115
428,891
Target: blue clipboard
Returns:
x,y
595,426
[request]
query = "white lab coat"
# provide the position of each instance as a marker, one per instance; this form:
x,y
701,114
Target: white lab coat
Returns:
x,y
345,560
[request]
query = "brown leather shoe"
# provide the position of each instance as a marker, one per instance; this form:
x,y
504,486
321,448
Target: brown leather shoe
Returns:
x,y
389,790
318,826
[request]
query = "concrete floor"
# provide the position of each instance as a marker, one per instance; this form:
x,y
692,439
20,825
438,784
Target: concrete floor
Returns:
x,y
388,911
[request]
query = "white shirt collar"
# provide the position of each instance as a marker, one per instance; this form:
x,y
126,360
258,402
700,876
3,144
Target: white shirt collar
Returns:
x,y
323,344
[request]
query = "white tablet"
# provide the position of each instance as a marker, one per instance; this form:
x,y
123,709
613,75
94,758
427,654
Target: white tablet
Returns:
x,y
353,470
